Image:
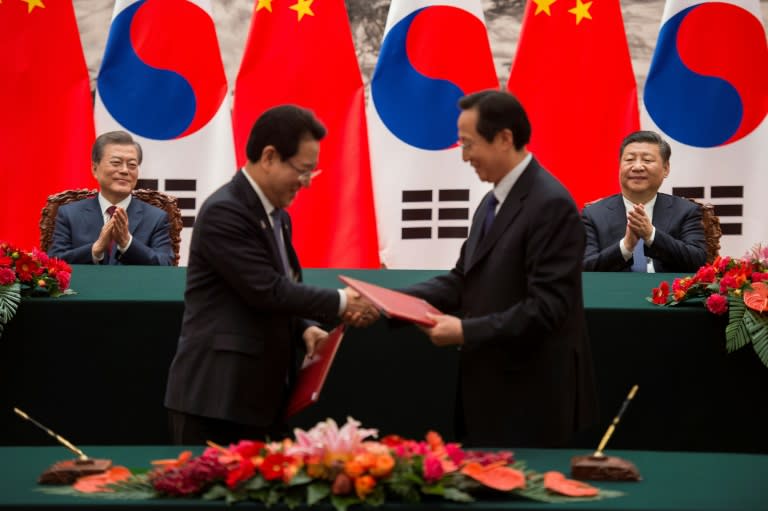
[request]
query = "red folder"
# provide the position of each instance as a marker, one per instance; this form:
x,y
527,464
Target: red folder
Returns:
x,y
311,377
394,304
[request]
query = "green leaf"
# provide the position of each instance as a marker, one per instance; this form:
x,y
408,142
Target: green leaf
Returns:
x,y
317,491
341,503
260,495
295,496
736,333
10,298
299,479
376,497
232,497
273,497
457,495
757,326
433,489
257,482
216,492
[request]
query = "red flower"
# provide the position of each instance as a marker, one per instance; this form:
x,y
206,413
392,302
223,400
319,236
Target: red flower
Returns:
x,y
717,304
433,469
42,257
721,263
6,261
706,274
248,448
728,282
275,466
27,268
242,472
759,277
7,276
661,293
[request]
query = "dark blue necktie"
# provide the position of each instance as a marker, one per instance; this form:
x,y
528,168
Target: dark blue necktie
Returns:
x,y
277,227
490,213
639,262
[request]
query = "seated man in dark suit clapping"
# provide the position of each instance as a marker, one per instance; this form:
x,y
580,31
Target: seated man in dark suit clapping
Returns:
x,y
113,227
641,229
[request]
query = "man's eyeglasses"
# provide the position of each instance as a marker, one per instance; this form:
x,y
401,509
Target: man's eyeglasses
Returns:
x,y
304,175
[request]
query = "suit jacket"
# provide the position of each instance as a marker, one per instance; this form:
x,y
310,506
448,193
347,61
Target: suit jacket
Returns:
x,y
79,223
242,321
678,246
525,366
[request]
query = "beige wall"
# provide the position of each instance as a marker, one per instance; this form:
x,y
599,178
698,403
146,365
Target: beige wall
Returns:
x,y
232,18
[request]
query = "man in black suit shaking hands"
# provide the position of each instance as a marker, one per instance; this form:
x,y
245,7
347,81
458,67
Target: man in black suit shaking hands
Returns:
x,y
525,366
247,316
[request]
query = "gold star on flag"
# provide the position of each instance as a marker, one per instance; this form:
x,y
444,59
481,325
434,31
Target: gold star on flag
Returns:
x,y
543,6
264,4
303,7
31,4
581,11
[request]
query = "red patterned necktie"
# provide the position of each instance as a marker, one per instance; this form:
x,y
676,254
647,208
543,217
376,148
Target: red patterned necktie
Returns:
x,y
110,212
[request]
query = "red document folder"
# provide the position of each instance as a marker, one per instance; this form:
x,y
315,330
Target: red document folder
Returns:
x,y
394,304
312,375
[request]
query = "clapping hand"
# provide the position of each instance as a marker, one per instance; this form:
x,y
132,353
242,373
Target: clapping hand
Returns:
x,y
120,232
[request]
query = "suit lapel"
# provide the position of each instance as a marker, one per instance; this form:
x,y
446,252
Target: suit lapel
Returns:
x,y
506,215
93,216
135,213
476,229
661,217
617,221
250,198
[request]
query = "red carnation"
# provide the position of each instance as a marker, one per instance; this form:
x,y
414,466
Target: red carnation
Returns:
x,y
7,276
717,304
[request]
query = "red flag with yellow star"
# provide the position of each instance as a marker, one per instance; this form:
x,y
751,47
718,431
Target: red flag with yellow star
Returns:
x,y
573,75
46,114
301,52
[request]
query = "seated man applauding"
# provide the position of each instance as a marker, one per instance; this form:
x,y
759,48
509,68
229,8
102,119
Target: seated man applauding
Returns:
x,y
641,229
113,227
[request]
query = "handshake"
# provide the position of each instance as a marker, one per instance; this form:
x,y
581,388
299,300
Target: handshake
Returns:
x,y
360,312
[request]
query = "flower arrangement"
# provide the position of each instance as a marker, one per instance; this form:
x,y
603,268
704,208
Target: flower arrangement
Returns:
x,y
29,273
738,287
342,466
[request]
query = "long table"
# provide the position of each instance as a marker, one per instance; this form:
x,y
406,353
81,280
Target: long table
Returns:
x,y
672,481
93,366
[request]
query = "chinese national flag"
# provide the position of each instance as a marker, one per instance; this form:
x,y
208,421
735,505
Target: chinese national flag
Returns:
x,y
302,53
573,75
46,114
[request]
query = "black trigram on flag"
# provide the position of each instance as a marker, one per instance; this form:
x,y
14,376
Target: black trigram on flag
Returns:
x,y
425,218
182,189
727,200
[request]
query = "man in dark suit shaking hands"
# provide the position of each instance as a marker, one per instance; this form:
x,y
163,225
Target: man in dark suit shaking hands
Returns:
x,y
525,376
640,229
247,316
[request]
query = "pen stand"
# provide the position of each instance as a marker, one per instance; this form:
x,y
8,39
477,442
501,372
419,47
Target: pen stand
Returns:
x,y
67,471
603,468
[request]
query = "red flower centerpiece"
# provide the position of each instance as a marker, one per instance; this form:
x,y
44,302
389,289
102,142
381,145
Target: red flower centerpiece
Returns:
x,y
343,466
733,286
28,273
